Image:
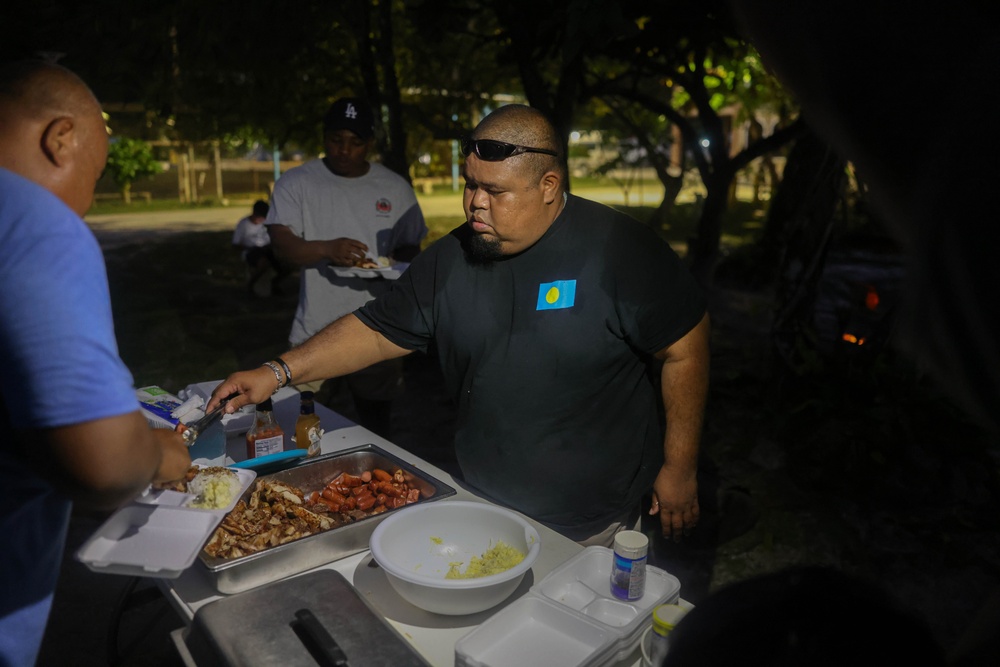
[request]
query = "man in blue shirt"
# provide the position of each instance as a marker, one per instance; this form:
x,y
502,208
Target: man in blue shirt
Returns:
x,y
71,423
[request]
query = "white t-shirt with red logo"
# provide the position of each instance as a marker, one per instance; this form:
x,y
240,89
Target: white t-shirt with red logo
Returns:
x,y
379,209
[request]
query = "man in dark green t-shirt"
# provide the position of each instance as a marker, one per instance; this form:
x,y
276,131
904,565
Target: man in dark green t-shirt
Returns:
x,y
552,317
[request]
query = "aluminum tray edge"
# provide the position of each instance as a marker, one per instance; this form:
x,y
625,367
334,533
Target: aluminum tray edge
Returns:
x,y
230,576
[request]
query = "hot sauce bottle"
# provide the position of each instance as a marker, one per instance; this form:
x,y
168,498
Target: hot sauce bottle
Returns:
x,y
307,429
265,436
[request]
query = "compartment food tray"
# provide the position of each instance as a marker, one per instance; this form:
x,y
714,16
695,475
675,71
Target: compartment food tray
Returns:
x,y
157,535
578,598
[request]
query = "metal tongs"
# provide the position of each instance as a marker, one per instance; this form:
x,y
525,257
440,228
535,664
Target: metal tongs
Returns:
x,y
192,431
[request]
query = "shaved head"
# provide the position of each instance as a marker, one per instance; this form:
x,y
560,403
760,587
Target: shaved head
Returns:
x,y
38,90
52,130
526,126
511,202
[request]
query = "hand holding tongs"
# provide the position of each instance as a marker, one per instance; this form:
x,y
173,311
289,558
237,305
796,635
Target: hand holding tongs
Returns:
x,y
191,432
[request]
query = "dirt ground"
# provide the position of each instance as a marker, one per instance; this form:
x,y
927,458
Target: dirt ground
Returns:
x,y
874,473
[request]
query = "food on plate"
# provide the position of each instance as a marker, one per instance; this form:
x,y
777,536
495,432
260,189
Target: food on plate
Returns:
x,y
381,262
277,513
214,488
499,558
179,485
373,491
273,515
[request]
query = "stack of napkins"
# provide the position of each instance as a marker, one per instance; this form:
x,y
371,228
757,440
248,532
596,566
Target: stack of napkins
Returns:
x,y
159,405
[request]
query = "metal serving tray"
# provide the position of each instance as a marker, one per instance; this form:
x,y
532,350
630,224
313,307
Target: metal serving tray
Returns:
x,y
234,575
264,627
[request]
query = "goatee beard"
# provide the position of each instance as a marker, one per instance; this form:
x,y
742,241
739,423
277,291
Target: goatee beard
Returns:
x,y
483,249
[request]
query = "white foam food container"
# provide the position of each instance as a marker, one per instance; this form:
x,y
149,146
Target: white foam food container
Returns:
x,y
533,631
157,404
238,422
569,618
391,272
157,535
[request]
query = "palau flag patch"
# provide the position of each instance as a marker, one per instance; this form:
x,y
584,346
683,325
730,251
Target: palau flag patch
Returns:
x,y
556,295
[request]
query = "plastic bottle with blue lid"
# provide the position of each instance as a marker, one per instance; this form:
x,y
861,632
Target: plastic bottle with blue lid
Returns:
x,y
628,571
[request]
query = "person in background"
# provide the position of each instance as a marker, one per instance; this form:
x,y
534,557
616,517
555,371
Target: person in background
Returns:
x,y
254,243
339,211
802,615
564,330
72,428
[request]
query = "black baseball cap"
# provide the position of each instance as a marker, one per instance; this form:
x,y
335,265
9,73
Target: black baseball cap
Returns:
x,y
350,113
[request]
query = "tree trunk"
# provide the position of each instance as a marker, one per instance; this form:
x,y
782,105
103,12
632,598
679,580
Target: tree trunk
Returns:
x,y
671,176
127,193
803,204
671,188
395,156
797,236
372,27
703,250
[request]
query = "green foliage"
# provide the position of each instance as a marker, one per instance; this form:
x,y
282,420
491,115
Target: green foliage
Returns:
x,y
129,160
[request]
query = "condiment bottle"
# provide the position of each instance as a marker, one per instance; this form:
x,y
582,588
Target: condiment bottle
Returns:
x,y
628,571
665,618
265,436
307,429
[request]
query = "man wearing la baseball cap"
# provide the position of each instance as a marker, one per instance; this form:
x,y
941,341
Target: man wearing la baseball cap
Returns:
x,y
350,113
340,211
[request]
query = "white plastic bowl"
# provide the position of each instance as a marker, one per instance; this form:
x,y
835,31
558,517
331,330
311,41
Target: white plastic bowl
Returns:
x,y
416,545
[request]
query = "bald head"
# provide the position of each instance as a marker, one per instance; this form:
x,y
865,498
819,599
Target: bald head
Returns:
x,y
51,130
36,89
525,126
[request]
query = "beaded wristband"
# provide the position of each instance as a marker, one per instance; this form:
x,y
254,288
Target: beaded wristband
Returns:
x,y
284,367
277,374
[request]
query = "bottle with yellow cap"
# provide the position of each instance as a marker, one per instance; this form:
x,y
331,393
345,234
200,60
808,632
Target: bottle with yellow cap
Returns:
x,y
665,617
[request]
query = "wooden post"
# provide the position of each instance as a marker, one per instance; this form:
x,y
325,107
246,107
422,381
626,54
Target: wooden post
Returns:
x,y
183,182
218,170
192,173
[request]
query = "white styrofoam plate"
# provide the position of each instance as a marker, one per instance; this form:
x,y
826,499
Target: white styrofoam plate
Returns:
x,y
564,614
388,272
533,631
582,585
167,498
238,422
148,541
156,535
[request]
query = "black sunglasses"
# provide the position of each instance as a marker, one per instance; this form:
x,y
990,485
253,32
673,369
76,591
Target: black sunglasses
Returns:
x,y
497,151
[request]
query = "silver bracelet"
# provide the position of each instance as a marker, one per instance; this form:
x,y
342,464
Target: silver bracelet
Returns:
x,y
277,374
284,367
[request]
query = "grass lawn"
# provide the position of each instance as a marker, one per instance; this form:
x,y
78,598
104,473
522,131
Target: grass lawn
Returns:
x,y
183,315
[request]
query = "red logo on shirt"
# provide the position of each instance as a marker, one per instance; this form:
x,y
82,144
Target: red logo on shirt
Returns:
x,y
383,206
